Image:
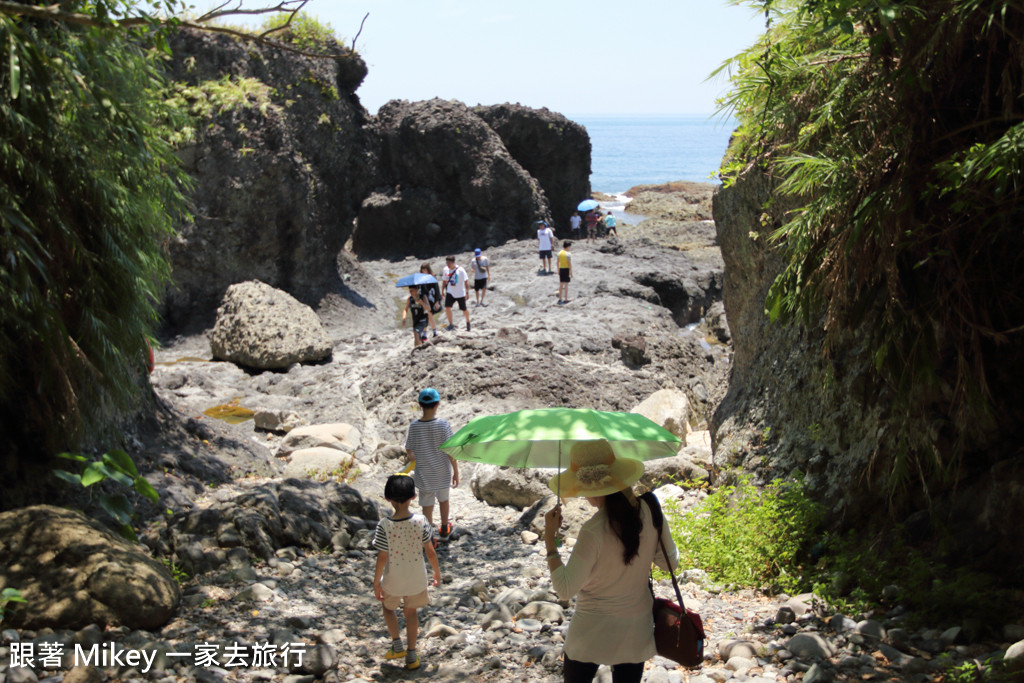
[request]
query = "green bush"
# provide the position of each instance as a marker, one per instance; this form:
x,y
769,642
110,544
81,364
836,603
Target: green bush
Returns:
x,y
748,536
304,31
119,468
7,596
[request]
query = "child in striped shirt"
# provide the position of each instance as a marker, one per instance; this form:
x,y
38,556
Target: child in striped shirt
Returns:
x,y
435,471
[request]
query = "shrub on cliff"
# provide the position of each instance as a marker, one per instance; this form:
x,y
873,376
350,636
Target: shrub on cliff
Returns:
x,y
895,130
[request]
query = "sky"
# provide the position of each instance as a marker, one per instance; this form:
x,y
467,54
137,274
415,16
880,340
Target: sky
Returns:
x,y
571,56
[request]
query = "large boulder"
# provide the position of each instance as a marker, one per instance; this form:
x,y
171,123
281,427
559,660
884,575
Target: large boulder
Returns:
x,y
267,329
668,408
553,149
451,184
519,488
294,512
280,159
73,572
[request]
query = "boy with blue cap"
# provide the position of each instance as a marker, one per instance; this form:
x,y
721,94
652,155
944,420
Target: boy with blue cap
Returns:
x,y
435,471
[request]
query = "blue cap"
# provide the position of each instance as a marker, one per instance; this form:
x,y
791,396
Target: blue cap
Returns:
x,y
429,397
476,251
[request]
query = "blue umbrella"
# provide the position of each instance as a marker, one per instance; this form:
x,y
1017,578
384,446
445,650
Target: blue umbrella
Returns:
x,y
587,205
415,280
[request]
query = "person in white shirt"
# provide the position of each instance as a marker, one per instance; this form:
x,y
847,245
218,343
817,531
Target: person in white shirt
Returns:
x,y
453,286
481,274
545,238
574,224
609,566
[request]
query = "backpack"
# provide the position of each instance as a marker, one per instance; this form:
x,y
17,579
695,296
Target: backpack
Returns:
x,y
432,298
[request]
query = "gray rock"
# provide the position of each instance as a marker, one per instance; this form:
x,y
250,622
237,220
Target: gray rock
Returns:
x,y
817,674
868,631
810,646
73,572
265,328
277,420
738,663
547,612
738,648
1013,632
443,164
21,674
1014,656
519,488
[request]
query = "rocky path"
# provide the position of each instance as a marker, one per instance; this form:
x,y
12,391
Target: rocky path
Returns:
x,y
494,617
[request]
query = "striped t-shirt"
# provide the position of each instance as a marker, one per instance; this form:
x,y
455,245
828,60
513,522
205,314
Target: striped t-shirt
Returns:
x,y
433,468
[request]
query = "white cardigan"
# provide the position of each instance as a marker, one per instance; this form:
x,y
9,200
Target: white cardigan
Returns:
x,y
613,623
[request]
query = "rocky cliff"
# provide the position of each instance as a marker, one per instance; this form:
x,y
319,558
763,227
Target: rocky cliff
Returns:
x,y
790,409
288,167
277,147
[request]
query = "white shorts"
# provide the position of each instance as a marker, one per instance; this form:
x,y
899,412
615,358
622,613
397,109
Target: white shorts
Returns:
x,y
427,498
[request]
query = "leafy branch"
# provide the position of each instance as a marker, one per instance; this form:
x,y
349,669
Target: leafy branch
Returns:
x,y
290,8
118,467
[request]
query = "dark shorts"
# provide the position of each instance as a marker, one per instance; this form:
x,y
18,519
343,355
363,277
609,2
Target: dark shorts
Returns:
x,y
419,325
450,300
563,275
480,284
545,254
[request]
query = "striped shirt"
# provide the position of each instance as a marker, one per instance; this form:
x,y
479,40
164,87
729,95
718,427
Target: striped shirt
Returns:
x,y
433,468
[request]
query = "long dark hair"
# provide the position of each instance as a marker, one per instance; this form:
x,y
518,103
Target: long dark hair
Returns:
x,y
626,523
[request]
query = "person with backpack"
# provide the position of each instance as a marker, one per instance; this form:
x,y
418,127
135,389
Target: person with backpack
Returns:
x,y
432,293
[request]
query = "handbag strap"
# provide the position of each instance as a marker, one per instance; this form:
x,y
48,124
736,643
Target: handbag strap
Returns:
x,y
658,517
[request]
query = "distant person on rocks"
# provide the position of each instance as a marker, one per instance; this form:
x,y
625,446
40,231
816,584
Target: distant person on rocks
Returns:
x,y
419,307
400,578
591,220
435,472
481,274
609,224
574,224
564,272
453,286
432,293
545,244
609,567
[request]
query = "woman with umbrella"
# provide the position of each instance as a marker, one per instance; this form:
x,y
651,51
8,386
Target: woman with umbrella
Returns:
x,y
609,566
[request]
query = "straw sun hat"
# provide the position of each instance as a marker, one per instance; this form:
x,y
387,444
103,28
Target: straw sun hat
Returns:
x,y
595,471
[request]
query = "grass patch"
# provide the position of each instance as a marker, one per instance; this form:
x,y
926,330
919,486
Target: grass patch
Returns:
x,y
748,536
770,538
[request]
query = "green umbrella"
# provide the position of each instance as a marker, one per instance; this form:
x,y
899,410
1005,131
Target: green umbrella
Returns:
x,y
544,437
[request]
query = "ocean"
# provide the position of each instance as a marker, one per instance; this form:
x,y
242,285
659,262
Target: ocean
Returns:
x,y
628,150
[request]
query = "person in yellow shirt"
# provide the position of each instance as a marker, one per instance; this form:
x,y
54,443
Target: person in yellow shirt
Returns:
x,y
564,272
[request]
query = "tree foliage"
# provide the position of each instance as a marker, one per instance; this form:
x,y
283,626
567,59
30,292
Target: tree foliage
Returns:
x,y
89,192
896,130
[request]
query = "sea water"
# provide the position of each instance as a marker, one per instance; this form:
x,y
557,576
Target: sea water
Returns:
x,y
629,150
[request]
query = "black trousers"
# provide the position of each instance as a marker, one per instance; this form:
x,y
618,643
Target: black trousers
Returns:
x,y
584,672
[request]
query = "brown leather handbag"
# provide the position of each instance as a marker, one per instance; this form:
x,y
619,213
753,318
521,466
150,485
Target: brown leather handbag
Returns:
x,y
678,632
